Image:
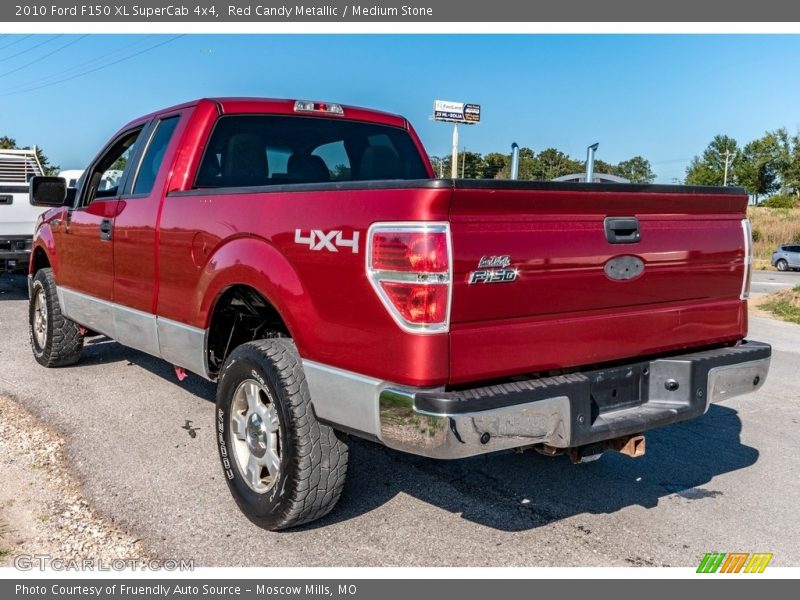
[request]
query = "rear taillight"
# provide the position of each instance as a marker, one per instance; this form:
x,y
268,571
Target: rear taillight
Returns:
x,y
748,258
409,266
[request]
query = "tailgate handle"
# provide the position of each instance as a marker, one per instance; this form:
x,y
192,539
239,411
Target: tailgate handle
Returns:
x,y
622,230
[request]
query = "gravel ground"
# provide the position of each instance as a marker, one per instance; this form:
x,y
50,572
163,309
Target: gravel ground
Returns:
x,y
42,509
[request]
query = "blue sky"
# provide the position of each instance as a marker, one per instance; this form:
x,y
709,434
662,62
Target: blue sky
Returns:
x,y
661,96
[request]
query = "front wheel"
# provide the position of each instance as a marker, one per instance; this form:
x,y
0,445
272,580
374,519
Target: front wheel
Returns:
x,y
283,467
56,341
782,265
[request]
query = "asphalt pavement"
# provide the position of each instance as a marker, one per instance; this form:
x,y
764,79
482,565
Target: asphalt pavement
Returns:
x,y
766,282
142,445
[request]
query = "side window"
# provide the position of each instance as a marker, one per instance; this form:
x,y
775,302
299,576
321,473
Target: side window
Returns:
x,y
335,157
106,174
278,161
154,156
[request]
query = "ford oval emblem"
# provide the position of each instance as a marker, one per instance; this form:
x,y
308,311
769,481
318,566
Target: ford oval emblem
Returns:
x,y
623,268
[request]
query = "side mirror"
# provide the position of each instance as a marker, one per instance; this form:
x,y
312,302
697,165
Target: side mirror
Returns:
x,y
48,191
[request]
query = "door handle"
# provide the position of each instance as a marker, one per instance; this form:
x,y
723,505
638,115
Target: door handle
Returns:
x,y
105,229
622,230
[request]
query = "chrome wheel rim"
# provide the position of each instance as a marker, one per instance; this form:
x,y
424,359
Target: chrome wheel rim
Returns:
x,y
255,434
40,318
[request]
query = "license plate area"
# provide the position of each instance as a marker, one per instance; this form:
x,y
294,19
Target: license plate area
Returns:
x,y
619,388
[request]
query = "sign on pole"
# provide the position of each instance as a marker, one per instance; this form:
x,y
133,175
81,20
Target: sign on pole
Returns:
x,y
456,113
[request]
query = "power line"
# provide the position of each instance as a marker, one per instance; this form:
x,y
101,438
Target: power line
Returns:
x,y
34,47
42,79
105,66
41,58
17,41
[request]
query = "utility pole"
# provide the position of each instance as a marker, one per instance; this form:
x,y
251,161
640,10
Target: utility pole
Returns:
x,y
728,160
463,162
454,158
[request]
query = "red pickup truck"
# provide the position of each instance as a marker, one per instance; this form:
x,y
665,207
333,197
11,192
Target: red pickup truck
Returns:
x,y
304,256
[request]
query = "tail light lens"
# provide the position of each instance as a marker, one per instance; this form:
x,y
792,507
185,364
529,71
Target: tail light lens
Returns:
x,y
748,258
408,251
409,266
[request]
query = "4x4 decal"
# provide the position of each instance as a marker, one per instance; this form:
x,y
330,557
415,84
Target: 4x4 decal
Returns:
x,y
326,240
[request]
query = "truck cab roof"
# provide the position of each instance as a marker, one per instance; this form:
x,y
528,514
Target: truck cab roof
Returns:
x,y
280,106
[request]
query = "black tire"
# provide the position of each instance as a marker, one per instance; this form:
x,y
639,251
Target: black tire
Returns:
x,y
62,342
782,265
312,457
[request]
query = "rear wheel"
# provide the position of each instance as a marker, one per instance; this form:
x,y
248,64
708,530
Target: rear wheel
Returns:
x,y
283,467
56,341
782,265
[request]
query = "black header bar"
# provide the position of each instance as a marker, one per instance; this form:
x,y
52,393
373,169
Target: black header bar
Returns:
x,y
410,11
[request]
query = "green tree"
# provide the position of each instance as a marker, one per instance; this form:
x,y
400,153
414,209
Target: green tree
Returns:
x,y
790,177
758,168
709,169
470,163
529,166
494,163
555,163
787,160
636,170
601,166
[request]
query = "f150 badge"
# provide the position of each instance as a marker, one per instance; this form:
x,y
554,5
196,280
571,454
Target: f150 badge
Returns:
x,y
494,269
326,240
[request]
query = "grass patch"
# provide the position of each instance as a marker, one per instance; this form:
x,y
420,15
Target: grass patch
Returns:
x,y
4,553
771,228
784,304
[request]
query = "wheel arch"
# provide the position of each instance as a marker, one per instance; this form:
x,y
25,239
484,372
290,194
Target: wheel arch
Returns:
x,y
43,253
252,266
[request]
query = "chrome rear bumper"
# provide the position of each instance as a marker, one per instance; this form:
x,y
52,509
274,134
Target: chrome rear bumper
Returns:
x,y
570,410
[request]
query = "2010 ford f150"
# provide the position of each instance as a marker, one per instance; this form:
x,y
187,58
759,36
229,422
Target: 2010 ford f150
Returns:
x,y
303,255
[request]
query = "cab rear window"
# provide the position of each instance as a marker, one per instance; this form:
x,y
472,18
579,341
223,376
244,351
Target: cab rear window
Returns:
x,y
258,150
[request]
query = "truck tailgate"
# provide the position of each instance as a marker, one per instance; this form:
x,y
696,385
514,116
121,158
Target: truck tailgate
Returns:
x,y
570,303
